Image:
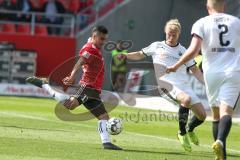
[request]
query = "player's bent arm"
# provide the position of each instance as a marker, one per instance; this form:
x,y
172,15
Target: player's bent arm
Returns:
x,y
135,55
70,79
192,51
77,66
197,73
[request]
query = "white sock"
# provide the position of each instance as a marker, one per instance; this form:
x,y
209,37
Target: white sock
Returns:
x,y
220,142
61,97
102,129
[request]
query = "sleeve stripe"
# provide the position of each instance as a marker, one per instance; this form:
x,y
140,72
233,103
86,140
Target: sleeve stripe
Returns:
x,y
192,65
144,53
194,34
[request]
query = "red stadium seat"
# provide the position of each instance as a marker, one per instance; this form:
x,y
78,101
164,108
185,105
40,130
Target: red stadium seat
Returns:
x,y
74,6
14,1
36,4
24,28
9,28
65,3
42,2
90,2
41,30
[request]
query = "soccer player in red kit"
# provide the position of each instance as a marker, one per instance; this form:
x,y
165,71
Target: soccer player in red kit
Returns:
x,y
88,93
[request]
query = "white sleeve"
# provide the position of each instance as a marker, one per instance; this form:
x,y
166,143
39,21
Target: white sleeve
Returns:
x,y
197,28
150,50
190,63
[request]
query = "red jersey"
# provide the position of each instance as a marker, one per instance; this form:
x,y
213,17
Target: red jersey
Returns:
x,y
93,70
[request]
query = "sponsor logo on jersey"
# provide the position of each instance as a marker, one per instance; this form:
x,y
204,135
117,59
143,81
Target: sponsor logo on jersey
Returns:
x,y
86,54
228,49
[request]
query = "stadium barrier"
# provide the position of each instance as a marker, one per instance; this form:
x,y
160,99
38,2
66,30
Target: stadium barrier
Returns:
x,y
9,89
141,101
16,65
51,51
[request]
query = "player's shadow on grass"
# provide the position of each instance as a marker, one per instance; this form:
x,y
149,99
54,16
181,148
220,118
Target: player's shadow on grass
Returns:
x,y
180,153
40,129
154,152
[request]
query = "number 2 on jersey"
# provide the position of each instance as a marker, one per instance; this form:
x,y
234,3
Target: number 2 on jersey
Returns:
x,y
224,30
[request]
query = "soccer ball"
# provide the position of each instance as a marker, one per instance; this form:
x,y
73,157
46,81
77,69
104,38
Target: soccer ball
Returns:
x,y
114,126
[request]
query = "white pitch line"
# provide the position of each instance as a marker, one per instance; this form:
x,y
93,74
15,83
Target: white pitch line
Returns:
x,y
174,140
22,115
89,126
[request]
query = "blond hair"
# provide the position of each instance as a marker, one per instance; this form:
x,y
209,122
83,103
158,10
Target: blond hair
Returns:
x,y
173,24
216,4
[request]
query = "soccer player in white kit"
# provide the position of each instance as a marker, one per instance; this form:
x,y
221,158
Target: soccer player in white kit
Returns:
x,y
167,53
218,35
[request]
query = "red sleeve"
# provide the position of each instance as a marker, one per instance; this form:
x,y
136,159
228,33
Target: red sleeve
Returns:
x,y
88,54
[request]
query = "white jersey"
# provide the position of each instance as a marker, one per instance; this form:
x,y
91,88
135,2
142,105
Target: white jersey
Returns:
x,y
220,33
166,55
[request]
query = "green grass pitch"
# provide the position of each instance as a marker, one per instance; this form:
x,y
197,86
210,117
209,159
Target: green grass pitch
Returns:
x,y
30,130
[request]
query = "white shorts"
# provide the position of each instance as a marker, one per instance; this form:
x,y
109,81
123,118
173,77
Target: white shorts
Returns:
x,y
222,88
181,88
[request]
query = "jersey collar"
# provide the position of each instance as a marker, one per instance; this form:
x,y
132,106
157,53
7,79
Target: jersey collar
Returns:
x,y
171,46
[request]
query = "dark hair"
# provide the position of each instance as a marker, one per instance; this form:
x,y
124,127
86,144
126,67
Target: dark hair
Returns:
x,y
100,29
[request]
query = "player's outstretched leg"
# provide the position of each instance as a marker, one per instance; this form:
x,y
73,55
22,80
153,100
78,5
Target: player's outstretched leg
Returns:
x,y
43,83
36,81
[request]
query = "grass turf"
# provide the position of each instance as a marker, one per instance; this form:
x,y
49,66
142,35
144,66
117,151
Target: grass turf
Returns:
x,y
29,129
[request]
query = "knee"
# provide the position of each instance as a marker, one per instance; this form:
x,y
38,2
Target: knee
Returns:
x,y
202,116
72,103
199,111
225,110
186,101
